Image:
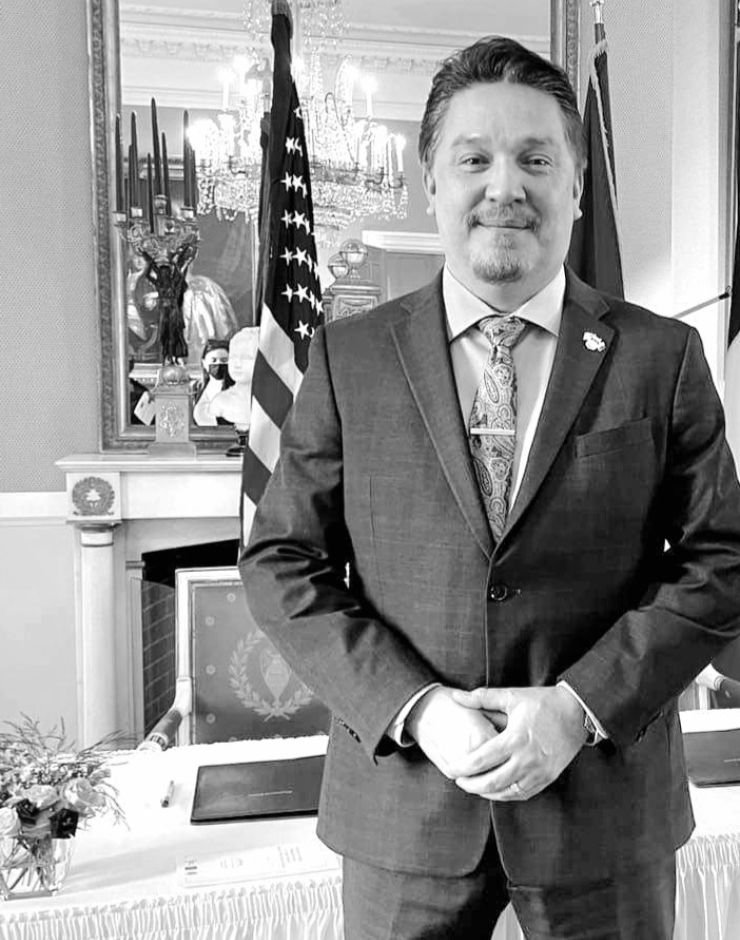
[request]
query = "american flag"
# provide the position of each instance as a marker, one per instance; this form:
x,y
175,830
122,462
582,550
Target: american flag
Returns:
x,y
291,292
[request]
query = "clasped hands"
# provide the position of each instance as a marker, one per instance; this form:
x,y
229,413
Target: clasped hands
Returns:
x,y
501,744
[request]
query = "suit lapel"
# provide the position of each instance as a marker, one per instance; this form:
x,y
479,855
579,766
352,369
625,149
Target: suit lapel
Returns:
x,y
423,348
574,369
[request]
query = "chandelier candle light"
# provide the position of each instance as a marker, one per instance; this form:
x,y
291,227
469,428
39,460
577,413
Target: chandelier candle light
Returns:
x,y
168,243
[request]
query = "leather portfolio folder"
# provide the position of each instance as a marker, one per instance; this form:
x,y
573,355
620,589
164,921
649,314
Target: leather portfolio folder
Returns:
x,y
227,792
713,757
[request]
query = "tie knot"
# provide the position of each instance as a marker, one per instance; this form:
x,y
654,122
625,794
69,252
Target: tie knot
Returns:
x,y
502,331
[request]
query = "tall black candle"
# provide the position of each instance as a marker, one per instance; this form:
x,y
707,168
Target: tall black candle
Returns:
x,y
166,173
157,160
133,167
131,202
149,192
120,189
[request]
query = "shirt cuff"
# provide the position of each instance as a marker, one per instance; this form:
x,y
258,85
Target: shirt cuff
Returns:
x,y
396,727
601,735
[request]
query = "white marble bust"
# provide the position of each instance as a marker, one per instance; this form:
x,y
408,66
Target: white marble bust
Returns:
x,y
234,403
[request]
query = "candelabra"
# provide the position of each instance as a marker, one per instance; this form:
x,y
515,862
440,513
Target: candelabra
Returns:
x,y
168,243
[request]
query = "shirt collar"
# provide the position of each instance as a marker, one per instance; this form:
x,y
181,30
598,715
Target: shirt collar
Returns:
x,y
463,309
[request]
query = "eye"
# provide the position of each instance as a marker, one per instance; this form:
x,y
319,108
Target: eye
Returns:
x,y
472,160
538,161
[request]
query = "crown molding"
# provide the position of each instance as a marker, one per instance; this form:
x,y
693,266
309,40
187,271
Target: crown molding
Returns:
x,y
177,50
150,31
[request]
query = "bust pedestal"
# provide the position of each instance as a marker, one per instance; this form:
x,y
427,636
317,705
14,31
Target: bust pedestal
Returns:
x,y
173,415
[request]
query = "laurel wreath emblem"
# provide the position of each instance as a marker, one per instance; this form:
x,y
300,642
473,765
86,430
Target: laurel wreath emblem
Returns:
x,y
275,705
93,496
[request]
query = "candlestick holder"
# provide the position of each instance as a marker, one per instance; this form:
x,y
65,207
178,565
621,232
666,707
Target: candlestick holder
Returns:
x,y
168,245
350,292
237,449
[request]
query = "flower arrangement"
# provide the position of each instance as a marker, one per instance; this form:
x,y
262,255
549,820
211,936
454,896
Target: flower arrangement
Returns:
x,y
46,790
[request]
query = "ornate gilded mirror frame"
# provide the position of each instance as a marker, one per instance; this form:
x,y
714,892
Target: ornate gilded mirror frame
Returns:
x,y
117,433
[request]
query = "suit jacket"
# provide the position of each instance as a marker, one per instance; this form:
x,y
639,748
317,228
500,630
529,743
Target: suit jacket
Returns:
x,y
375,474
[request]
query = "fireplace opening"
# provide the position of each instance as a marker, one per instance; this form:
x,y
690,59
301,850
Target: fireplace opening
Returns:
x,y
158,617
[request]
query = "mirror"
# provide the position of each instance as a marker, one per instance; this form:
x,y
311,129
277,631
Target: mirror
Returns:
x,y
175,55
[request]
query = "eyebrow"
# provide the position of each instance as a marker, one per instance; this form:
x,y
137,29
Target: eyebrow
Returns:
x,y
532,141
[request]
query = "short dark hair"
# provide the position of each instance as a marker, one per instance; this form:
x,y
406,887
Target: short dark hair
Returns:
x,y
499,59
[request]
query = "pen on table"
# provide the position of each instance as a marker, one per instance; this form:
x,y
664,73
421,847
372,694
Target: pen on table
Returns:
x,y
165,801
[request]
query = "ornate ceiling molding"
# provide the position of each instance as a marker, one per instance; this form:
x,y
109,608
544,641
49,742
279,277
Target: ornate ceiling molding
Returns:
x,y
151,31
195,40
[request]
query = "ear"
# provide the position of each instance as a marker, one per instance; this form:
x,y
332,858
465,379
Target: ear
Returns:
x,y
577,193
430,187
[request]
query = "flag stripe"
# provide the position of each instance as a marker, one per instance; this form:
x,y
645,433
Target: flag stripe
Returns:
x,y
278,350
280,400
257,476
266,438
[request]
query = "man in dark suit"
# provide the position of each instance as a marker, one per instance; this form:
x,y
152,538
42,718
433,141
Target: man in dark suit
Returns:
x,y
528,486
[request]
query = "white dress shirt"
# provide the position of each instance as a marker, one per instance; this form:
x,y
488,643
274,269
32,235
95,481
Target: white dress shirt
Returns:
x,y
533,357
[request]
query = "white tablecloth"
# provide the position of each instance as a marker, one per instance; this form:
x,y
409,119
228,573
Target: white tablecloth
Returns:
x,y
708,867
126,884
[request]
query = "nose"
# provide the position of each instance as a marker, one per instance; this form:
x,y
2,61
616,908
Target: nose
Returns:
x,y
504,182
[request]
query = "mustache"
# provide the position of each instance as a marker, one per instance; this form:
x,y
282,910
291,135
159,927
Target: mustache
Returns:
x,y
493,218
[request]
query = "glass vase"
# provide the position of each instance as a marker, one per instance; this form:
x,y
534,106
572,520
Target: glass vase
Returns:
x,y
33,867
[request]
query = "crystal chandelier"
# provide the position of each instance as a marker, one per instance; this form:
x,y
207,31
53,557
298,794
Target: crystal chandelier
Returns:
x,y
356,164
229,149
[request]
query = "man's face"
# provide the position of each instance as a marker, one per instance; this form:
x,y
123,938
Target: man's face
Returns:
x,y
504,188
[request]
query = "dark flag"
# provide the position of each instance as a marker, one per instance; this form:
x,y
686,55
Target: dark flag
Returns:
x,y
732,360
728,661
289,299
594,248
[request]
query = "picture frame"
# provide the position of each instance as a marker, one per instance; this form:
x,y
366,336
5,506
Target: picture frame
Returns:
x,y
242,688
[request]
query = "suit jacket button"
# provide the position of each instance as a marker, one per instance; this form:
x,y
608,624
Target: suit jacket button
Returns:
x,y
499,592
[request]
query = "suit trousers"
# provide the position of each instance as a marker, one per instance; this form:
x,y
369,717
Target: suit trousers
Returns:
x,y
386,905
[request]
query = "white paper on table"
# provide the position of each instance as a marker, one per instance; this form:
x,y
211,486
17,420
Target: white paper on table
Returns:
x,y
275,861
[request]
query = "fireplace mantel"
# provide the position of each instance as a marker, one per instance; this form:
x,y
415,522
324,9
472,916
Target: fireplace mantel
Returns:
x,y
111,499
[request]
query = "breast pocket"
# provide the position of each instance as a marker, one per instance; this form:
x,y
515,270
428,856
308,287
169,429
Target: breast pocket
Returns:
x,y
626,435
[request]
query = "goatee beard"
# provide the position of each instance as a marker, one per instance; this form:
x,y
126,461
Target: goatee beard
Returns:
x,y
500,264
500,267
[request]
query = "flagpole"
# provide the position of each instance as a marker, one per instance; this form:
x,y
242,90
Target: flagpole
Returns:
x,y
727,292
598,7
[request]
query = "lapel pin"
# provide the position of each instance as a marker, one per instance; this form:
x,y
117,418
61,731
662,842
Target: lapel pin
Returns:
x,y
593,343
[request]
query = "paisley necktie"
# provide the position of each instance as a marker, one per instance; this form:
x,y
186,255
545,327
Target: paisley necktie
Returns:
x,y
492,426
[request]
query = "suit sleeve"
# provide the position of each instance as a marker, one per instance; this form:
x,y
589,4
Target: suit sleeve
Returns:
x,y
294,571
692,609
